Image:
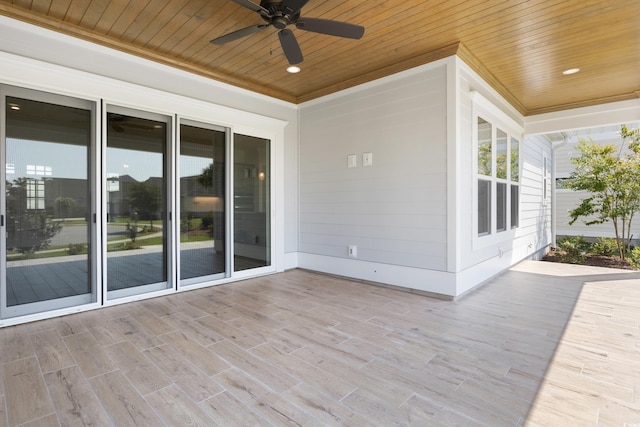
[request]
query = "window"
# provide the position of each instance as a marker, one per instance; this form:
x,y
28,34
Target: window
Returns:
x,y
39,170
501,155
515,203
485,154
35,194
515,179
498,177
561,183
484,207
501,206
545,179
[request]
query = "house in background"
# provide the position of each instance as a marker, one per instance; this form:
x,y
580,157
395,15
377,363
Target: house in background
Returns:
x,y
565,147
427,179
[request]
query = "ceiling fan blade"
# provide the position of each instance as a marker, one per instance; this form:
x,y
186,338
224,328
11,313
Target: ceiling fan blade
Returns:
x,y
252,6
290,46
238,34
332,28
291,7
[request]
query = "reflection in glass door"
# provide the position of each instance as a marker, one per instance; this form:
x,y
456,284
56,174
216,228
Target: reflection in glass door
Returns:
x,y
252,201
136,202
46,254
202,202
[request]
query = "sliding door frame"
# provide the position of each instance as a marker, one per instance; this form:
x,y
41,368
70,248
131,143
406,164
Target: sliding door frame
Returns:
x,y
93,298
195,282
158,288
273,237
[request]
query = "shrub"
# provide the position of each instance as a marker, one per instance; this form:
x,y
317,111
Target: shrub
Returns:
x,y
572,250
76,248
207,222
634,258
132,231
130,245
606,246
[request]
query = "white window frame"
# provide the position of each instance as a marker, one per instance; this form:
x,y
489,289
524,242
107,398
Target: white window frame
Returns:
x,y
483,108
546,178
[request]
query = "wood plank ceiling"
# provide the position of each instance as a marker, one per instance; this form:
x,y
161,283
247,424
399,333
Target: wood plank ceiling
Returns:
x,y
520,46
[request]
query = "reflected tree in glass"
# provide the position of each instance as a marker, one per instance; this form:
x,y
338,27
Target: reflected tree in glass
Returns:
x,y
485,154
501,154
28,230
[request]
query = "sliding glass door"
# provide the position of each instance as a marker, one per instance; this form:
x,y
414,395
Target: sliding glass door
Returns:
x,y
202,186
252,202
137,229
143,206
46,217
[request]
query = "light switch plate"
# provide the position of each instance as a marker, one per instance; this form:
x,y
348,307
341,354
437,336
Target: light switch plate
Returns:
x,y
352,161
367,159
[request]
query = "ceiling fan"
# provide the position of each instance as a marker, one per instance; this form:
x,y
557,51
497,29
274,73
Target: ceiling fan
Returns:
x,y
283,13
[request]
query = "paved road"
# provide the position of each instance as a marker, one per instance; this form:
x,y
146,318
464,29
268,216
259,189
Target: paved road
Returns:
x,y
78,233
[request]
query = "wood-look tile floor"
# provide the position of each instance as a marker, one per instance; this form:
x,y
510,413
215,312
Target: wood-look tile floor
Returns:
x,y
304,349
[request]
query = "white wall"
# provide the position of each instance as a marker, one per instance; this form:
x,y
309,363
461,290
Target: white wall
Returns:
x,y
411,214
482,258
394,211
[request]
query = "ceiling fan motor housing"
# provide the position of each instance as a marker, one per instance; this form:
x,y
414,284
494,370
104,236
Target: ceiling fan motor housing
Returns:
x,y
278,17
282,13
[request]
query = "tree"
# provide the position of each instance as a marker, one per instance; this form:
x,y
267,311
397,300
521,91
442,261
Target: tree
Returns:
x,y
29,229
206,176
64,206
144,199
612,179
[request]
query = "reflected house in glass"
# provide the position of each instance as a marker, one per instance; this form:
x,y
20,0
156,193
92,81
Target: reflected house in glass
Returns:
x,y
196,200
74,190
118,194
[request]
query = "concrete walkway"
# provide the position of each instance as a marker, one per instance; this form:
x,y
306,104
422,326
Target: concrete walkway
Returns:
x,y
593,378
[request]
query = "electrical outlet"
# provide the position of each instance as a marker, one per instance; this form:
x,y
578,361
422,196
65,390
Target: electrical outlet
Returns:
x,y
353,251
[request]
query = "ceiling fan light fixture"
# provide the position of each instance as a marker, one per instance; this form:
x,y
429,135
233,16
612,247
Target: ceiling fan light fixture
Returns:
x,y
570,71
293,69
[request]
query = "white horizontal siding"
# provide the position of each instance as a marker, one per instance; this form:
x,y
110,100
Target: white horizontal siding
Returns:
x,y
395,210
567,200
480,260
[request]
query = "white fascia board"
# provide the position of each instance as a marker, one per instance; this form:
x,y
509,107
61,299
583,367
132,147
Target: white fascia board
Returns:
x,y
484,92
34,74
613,113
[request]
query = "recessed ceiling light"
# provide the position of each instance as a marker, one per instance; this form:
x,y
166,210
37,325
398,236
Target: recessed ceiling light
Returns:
x,y
293,69
570,71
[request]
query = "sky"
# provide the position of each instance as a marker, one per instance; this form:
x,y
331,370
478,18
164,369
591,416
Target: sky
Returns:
x,y
56,160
